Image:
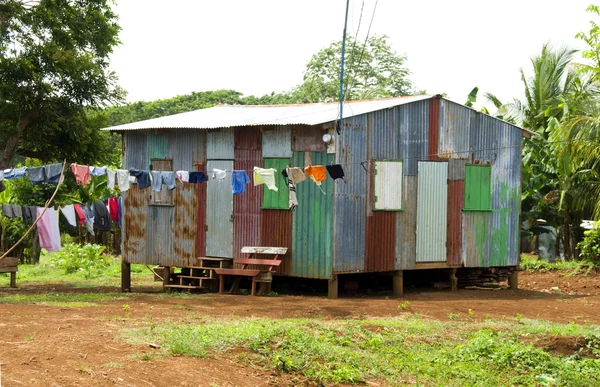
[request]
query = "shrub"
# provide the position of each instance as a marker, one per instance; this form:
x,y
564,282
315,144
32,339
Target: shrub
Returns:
x,y
590,245
88,257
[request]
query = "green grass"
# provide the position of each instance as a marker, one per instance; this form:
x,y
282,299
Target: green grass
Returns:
x,y
532,263
63,299
397,351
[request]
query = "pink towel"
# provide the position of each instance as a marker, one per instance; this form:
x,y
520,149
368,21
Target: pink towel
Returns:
x,y
48,231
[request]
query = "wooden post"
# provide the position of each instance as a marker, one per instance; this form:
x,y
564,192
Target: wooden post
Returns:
x,y
398,283
221,284
513,280
332,290
125,276
166,275
453,279
13,279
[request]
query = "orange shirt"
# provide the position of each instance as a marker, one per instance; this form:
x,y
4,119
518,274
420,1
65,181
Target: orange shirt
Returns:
x,y
317,173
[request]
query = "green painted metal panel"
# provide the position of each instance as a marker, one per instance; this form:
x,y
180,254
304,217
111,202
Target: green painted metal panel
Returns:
x,y
312,225
277,200
158,146
478,191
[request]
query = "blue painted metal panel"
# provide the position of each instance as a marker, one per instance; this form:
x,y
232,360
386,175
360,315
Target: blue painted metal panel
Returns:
x,y
350,208
136,150
414,139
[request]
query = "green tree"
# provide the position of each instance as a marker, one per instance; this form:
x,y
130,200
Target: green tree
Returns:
x,y
53,70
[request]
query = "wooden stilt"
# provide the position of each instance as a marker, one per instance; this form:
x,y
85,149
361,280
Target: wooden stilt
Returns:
x,y
513,280
166,275
332,291
453,279
125,277
13,279
398,283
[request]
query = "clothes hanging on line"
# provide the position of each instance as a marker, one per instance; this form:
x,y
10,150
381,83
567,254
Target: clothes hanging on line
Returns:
x,y
198,177
219,174
111,175
11,211
80,214
52,173
316,173
143,177
102,221
82,174
1,175
265,176
98,171
36,175
48,231
15,173
29,214
183,176
335,171
161,177
239,179
69,213
119,222
123,179
113,209
292,198
89,218
296,174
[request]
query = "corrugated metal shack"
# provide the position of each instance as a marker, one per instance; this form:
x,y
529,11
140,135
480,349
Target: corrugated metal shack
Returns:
x,y
429,184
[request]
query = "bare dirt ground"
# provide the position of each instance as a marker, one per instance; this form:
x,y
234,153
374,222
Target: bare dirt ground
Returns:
x,y
43,345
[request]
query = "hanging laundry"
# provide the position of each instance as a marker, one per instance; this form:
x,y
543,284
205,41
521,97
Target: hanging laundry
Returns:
x,y
111,174
123,179
89,218
102,221
335,171
292,198
52,172
265,176
80,214
69,212
239,179
219,174
119,222
161,177
15,173
316,173
1,175
296,174
183,176
48,231
29,214
143,177
36,175
11,211
113,209
82,174
198,177
97,171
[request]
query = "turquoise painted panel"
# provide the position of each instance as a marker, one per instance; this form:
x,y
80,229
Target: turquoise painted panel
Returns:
x,y
312,223
158,146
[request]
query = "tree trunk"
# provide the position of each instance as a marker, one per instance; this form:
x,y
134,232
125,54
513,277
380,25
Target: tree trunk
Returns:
x,y
567,237
12,142
36,250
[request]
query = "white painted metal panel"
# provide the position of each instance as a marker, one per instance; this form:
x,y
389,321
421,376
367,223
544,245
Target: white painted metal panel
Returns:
x,y
432,211
219,211
388,185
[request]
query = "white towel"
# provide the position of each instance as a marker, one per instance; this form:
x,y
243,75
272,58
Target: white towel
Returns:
x,y
219,174
183,176
111,175
123,179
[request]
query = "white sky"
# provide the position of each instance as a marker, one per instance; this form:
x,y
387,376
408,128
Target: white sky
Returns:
x,y
258,46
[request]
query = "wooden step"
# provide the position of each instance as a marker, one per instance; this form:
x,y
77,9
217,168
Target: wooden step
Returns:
x,y
213,259
192,276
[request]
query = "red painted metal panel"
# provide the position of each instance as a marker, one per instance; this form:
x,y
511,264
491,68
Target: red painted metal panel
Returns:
x,y
201,217
380,254
456,198
248,138
276,230
434,127
246,206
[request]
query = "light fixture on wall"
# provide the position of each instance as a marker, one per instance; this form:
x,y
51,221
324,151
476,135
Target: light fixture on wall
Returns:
x,y
327,138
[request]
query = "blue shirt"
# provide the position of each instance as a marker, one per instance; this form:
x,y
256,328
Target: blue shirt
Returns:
x,y
238,181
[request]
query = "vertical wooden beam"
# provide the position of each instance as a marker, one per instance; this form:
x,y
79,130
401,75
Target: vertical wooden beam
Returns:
x,y
166,275
513,280
332,290
13,279
398,283
453,279
125,276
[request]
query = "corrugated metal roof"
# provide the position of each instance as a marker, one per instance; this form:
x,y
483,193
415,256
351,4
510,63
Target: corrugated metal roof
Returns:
x,y
226,116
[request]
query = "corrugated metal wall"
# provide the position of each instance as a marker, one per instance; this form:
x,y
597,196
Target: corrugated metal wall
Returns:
x,y
454,130
277,142
220,144
432,211
406,227
247,213
312,220
476,241
456,200
201,215
219,211
414,137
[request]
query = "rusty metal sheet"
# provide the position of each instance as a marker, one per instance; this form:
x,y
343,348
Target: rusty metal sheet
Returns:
x,y
198,148
220,144
406,226
351,197
432,211
456,199
246,206
277,142
135,209
276,230
184,223
248,138
414,140
308,139
476,239
456,169
201,216
434,128
381,241
219,212
454,130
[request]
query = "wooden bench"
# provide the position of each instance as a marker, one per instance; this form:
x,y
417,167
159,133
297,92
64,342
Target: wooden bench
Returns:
x,y
10,265
263,273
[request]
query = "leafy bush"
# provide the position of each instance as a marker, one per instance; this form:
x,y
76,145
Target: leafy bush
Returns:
x,y
590,245
88,258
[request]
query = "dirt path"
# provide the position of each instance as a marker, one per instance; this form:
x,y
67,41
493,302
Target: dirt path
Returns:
x,y
43,345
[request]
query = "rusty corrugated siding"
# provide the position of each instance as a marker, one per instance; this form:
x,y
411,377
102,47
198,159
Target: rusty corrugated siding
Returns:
x,y
454,130
456,169
185,222
198,140
276,231
414,139
247,138
201,216
434,126
277,141
135,209
456,199
406,226
476,241
220,144
350,201
381,241
246,206
308,139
